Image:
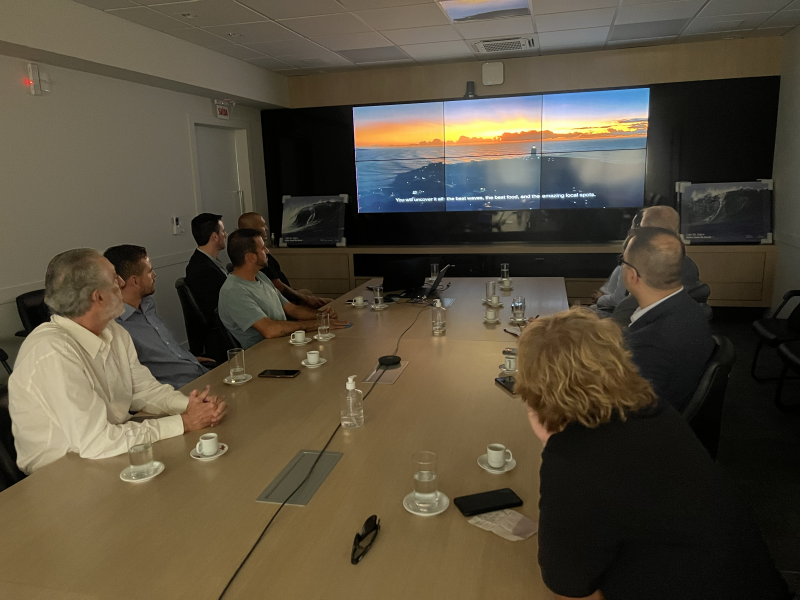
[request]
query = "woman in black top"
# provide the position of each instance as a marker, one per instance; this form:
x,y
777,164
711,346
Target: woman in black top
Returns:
x,y
631,505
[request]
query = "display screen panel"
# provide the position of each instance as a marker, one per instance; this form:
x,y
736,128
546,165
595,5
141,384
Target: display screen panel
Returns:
x,y
577,150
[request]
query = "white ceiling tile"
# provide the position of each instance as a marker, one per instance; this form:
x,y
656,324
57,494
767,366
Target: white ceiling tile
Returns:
x,y
543,7
422,35
287,48
794,5
371,4
148,18
660,11
281,9
652,29
371,55
712,37
785,18
323,58
574,37
496,28
253,33
207,13
579,19
269,63
769,31
660,41
201,37
325,25
437,50
237,51
740,7
404,17
353,41
105,4
388,63
726,23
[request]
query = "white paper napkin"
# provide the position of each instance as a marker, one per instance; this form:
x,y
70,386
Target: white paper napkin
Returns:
x,y
508,524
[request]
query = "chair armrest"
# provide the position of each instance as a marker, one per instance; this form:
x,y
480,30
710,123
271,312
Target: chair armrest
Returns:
x,y
791,294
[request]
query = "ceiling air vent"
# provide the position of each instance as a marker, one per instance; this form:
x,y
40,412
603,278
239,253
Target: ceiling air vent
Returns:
x,y
504,45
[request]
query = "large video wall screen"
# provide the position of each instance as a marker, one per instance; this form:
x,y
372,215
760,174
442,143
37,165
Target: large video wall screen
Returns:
x,y
576,150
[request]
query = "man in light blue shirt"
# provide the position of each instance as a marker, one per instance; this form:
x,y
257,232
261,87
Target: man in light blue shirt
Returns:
x,y
249,305
157,348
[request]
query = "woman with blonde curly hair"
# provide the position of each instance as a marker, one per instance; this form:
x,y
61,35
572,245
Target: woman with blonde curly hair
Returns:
x,y
631,505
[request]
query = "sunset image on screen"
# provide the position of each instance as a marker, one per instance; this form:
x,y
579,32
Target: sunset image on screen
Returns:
x,y
399,125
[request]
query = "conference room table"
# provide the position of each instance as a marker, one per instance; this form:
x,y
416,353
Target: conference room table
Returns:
x,y
74,530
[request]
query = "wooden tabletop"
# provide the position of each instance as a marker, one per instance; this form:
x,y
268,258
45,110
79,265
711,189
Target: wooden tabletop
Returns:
x,y
75,530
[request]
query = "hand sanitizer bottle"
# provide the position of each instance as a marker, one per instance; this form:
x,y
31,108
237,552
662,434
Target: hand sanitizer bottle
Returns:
x,y
352,405
438,319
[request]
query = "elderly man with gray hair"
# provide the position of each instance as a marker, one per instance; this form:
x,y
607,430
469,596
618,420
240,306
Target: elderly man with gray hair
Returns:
x,y
77,378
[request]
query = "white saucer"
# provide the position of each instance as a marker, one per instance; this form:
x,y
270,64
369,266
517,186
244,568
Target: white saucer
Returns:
x,y
379,306
303,343
488,322
441,506
510,287
321,362
126,473
330,336
247,378
354,305
223,448
506,371
488,302
518,321
484,464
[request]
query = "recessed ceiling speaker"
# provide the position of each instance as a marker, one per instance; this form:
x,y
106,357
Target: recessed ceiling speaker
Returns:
x,y
492,73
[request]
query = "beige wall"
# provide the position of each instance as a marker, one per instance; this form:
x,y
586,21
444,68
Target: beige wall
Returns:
x,y
98,162
787,171
588,70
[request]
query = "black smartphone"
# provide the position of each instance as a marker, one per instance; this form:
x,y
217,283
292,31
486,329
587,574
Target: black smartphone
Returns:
x,y
476,504
508,383
279,373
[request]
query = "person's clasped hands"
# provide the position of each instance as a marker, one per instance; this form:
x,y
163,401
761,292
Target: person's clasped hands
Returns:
x,y
203,410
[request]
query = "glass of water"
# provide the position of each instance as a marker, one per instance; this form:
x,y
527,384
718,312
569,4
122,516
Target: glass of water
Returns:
x,y
503,270
434,271
323,325
491,289
236,364
377,293
140,452
518,308
426,493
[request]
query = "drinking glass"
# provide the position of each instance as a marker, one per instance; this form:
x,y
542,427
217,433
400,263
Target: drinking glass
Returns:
x,y
323,325
377,293
503,270
236,364
434,271
491,289
140,452
426,494
518,308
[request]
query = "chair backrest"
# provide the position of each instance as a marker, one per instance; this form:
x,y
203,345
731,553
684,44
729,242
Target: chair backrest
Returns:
x,y
794,319
227,339
4,360
193,318
704,411
9,473
32,310
701,293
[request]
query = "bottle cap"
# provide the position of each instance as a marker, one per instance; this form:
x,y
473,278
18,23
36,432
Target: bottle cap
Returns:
x,y
351,382
438,304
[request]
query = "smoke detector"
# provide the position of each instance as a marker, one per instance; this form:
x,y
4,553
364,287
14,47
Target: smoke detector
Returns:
x,y
503,45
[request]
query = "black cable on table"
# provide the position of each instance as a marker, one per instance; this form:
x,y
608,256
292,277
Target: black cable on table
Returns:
x,y
316,460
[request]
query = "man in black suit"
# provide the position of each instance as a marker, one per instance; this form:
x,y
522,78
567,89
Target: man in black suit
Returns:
x,y
668,333
205,275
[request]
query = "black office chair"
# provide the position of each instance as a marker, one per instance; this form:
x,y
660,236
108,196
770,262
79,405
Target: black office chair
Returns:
x,y
789,353
773,331
704,411
32,311
226,337
700,294
9,473
196,323
4,360
707,311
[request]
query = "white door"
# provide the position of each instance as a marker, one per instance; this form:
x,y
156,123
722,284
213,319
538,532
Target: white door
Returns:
x,y
220,192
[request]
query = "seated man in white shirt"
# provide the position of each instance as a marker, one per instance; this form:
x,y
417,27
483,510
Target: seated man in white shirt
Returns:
x,y
77,377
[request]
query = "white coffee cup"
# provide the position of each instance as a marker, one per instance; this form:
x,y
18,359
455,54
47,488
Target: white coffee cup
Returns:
x,y
496,455
511,363
208,444
358,300
299,336
491,314
312,358
505,282
495,300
